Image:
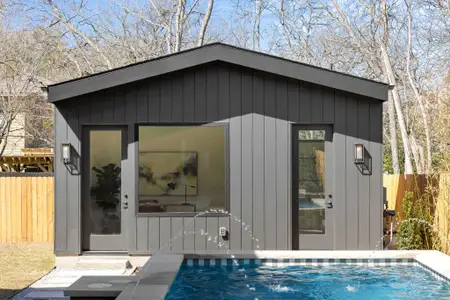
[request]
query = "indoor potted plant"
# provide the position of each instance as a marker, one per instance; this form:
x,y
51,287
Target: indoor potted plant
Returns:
x,y
107,195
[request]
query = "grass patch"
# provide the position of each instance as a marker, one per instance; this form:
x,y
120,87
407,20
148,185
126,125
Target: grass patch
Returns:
x,y
22,264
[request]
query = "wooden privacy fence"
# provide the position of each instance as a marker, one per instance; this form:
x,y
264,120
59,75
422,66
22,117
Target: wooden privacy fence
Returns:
x,y
437,185
26,208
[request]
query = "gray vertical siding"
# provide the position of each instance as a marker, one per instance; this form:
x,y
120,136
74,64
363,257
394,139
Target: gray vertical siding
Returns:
x,y
259,109
340,166
351,173
61,186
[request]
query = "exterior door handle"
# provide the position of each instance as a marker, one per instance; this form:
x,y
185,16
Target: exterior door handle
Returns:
x,y
329,202
125,203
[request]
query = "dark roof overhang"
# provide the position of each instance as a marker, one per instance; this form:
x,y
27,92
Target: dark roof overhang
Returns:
x,y
217,52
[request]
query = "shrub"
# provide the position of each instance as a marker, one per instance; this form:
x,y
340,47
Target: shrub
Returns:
x,y
415,231
408,233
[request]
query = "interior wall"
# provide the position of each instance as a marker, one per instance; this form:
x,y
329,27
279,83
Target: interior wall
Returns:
x,y
209,144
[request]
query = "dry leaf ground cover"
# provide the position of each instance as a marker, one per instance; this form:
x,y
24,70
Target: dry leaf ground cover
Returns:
x,y
23,263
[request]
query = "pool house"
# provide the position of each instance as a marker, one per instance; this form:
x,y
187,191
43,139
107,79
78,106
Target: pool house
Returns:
x,y
217,148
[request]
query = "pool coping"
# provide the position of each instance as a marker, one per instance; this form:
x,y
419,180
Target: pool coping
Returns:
x,y
156,276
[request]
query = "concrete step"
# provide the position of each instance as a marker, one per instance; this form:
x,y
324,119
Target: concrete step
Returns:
x,y
46,294
87,263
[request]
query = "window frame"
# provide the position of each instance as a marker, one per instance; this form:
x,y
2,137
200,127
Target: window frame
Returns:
x,y
226,127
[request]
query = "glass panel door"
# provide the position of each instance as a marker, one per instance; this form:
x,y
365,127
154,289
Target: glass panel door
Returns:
x,y
105,177
103,206
311,187
311,181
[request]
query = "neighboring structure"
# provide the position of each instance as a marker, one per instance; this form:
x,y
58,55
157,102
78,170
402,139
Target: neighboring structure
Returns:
x,y
18,95
28,160
16,137
292,150
17,158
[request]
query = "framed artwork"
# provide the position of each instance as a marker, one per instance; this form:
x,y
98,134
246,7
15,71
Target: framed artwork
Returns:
x,y
171,173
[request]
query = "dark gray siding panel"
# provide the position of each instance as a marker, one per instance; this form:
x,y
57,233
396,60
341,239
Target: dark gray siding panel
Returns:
x,y
189,237
258,181
293,100
61,185
317,105
212,227
247,181
259,109
200,95
141,231
73,195
119,108
328,105
235,182
235,159
165,232
96,109
224,92
165,109
177,97
247,162
200,233
282,186
153,101
364,181
108,108
212,94
84,118
351,176
282,131
189,97
305,103
340,166
153,234
258,165
142,104
376,184
177,235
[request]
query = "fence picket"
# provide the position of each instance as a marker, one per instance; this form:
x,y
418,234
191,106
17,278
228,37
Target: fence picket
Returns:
x,y
27,204
26,209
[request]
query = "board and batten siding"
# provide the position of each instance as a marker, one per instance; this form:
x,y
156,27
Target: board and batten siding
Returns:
x,y
259,109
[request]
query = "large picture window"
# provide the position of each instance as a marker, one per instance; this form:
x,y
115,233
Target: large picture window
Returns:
x,y
182,169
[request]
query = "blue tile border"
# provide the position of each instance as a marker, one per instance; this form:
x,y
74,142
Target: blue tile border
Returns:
x,y
252,262
433,272
296,261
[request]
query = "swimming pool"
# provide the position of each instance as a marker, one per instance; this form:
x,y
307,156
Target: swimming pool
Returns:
x,y
335,281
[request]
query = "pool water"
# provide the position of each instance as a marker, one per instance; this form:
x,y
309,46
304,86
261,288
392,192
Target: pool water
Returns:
x,y
335,282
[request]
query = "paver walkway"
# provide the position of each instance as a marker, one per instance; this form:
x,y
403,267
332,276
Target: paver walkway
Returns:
x,y
51,286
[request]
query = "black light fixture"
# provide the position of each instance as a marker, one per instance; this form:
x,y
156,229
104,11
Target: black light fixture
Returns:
x,y
66,150
363,160
359,153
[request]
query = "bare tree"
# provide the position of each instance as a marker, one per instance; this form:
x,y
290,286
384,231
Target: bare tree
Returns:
x,y
414,88
205,22
60,17
256,30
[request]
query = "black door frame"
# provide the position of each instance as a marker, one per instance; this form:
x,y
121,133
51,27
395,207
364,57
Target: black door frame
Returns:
x,y
325,241
107,242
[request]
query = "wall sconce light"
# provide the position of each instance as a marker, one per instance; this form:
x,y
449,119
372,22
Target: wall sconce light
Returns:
x,y
363,160
66,153
70,158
